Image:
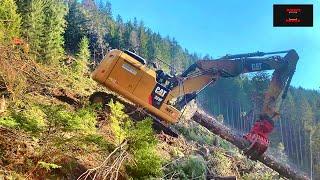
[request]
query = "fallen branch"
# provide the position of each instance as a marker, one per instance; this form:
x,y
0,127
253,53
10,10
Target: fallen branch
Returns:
x,y
110,167
225,133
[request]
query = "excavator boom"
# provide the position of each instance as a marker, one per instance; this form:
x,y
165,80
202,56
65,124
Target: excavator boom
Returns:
x,y
204,72
226,67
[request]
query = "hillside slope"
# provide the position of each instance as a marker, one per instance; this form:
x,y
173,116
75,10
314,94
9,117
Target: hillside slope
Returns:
x,y
49,130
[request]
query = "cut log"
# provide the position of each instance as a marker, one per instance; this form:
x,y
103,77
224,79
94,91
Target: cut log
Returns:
x,y
236,139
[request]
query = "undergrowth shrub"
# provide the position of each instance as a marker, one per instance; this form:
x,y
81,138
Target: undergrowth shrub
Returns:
x,y
193,167
141,143
258,175
60,118
260,171
196,133
48,166
8,122
120,122
76,77
99,140
220,164
32,119
51,118
59,134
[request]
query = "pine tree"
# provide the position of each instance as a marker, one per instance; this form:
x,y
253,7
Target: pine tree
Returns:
x,y
126,35
84,52
134,43
118,38
75,26
43,27
83,56
143,40
54,27
33,19
307,118
10,21
151,49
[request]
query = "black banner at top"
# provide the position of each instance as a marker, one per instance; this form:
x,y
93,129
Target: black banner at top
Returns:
x,y
293,15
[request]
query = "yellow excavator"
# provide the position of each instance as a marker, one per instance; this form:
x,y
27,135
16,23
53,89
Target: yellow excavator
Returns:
x,y
165,96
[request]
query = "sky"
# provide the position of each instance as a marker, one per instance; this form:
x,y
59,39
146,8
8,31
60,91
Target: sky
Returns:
x,y
230,27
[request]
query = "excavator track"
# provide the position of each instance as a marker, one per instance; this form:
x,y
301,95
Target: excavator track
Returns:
x,y
134,111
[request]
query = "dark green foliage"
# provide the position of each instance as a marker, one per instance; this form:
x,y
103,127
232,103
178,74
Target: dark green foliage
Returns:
x,y
142,135
194,167
106,32
146,164
31,119
60,118
75,29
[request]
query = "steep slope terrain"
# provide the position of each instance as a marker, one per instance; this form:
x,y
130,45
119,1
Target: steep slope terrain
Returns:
x,y
49,130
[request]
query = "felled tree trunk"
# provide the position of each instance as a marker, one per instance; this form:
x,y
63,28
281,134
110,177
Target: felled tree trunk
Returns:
x,y
225,133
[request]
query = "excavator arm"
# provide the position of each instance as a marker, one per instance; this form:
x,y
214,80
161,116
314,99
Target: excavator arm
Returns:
x,y
204,72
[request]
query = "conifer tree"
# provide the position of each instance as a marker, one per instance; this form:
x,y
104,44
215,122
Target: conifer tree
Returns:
x,y
54,27
83,56
119,40
10,21
75,26
143,40
33,18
